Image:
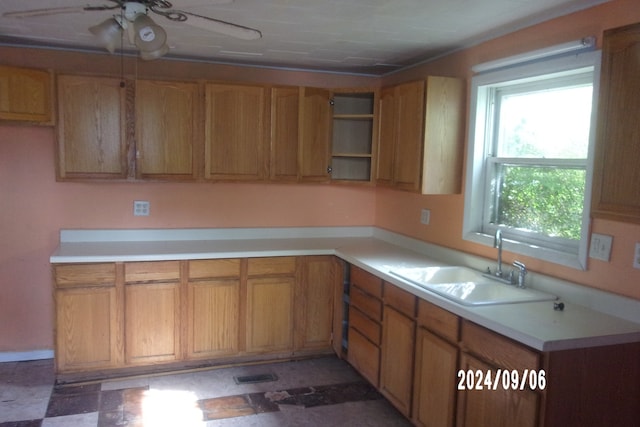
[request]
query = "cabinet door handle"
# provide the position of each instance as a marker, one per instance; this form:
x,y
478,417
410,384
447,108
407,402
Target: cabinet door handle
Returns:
x,y
329,169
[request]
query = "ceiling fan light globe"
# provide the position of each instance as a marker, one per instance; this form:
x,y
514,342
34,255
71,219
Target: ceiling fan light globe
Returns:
x,y
108,32
149,36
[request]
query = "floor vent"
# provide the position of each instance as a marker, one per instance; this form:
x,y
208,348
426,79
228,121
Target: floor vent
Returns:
x,y
253,379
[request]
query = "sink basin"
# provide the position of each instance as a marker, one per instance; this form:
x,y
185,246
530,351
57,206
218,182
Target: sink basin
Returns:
x,y
468,287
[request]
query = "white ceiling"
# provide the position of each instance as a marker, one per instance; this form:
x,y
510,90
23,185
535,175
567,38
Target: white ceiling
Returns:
x,y
353,36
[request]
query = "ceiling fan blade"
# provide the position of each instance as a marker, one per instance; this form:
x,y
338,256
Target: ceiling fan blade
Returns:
x,y
222,27
54,11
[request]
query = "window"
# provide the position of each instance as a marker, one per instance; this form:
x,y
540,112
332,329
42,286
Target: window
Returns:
x,y
530,157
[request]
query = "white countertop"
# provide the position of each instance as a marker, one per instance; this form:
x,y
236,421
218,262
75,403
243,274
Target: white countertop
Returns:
x,y
535,324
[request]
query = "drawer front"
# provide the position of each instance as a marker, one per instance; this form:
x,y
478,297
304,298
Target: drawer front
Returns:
x,y
214,268
496,349
272,266
366,281
364,356
155,271
369,328
400,299
70,275
438,320
367,304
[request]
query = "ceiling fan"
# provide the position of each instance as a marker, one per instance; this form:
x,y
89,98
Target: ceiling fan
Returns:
x,y
133,17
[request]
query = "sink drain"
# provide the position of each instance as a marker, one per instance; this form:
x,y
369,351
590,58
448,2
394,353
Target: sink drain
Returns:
x,y
253,379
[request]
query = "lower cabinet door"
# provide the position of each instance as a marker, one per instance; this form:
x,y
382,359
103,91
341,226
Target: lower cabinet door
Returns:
x,y
497,408
364,356
270,314
86,329
434,389
214,307
152,323
396,363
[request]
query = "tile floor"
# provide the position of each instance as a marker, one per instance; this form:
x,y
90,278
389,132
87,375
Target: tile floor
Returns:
x,y
314,392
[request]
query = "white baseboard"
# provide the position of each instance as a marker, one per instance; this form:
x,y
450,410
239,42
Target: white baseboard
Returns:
x,y
22,356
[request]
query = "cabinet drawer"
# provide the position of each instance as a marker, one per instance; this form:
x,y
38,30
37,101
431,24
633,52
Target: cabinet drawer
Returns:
x,y
272,265
364,356
68,275
366,281
369,328
496,349
438,320
400,299
369,305
213,268
152,271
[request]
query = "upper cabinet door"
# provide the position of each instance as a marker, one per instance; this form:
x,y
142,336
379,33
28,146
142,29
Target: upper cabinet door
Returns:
x,y
166,129
285,102
25,95
616,180
235,132
409,133
315,134
91,128
387,136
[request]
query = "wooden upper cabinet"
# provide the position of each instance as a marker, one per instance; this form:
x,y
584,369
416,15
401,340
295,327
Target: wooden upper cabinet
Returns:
x,y
285,102
235,137
315,134
25,95
616,179
421,135
167,134
91,128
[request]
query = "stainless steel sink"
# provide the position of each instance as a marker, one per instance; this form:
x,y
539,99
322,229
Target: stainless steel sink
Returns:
x,y
468,287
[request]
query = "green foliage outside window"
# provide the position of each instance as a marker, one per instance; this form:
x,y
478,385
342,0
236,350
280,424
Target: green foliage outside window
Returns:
x,y
542,200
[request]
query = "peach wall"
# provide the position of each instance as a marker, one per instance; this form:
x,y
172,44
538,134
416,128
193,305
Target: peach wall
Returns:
x,y
400,212
34,207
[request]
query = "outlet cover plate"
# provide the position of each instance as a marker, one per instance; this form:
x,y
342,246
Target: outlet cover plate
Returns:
x,y
636,256
141,208
600,247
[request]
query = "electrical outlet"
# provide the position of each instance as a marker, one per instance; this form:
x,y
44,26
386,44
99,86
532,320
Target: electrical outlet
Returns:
x,y
425,216
141,208
636,257
600,247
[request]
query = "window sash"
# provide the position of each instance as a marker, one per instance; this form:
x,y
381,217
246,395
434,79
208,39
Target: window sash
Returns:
x,y
492,165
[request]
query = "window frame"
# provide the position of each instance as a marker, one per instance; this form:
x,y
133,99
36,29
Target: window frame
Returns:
x,y
476,199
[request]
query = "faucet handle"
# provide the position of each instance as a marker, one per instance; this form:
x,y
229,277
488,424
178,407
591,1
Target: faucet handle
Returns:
x,y
521,273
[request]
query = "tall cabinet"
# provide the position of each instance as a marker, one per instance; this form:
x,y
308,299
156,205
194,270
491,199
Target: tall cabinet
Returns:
x,y
616,177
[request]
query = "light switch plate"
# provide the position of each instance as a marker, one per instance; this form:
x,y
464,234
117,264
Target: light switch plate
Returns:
x,y
141,208
425,216
600,246
636,256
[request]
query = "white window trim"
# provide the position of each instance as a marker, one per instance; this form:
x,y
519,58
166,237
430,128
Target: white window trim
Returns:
x,y
474,188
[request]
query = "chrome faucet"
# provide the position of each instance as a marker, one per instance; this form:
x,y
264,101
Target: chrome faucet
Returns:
x,y
497,243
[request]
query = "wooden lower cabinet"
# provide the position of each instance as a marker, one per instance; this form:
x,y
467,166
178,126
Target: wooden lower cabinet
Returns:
x,y
398,347
88,325
502,407
213,308
270,314
314,301
152,323
86,328
396,359
434,390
